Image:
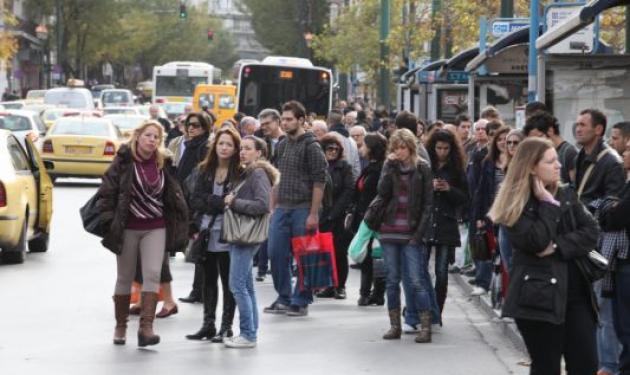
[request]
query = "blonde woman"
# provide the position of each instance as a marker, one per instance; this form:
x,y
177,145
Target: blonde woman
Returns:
x,y
148,216
549,297
406,188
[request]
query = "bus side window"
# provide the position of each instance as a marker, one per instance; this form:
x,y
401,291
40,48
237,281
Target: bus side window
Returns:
x,y
206,100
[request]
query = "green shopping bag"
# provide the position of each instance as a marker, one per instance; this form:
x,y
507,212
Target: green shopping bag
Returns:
x,y
358,248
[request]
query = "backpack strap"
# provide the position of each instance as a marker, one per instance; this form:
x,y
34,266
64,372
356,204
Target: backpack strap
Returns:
x,y
589,170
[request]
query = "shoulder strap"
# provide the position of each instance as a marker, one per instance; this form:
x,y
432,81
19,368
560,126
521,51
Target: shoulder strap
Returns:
x,y
589,170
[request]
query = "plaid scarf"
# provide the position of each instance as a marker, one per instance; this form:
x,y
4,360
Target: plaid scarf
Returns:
x,y
613,245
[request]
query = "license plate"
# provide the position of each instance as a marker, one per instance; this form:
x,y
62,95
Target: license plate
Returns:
x,y
78,150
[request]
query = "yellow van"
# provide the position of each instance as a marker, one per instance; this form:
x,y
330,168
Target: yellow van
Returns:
x,y
220,99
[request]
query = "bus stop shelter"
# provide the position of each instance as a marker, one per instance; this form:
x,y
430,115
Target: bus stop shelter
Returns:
x,y
413,90
570,80
498,77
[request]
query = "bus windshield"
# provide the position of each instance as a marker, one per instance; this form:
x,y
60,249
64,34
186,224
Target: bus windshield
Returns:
x,y
263,86
177,86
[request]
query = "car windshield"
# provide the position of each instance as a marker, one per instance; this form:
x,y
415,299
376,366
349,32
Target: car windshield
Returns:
x,y
85,127
14,123
116,97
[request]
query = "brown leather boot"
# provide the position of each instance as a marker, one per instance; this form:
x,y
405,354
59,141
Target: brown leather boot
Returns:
x,y
424,336
121,312
395,329
145,331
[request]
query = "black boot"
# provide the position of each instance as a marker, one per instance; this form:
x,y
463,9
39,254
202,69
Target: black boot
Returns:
x,y
197,288
378,294
208,329
229,307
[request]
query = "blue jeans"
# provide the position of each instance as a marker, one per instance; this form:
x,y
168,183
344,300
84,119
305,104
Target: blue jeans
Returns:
x,y
621,313
285,224
242,288
441,273
483,273
505,249
607,343
406,262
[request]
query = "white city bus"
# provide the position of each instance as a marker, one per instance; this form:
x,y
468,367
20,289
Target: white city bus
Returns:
x,y
174,82
275,80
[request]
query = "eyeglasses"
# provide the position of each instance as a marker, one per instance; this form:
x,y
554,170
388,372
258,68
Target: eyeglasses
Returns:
x,y
332,148
195,125
512,143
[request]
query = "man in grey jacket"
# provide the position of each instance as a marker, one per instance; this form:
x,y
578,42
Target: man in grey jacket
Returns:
x,y
296,201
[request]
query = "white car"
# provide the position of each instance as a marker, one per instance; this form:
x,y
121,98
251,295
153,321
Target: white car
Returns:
x,y
14,104
23,124
122,111
116,97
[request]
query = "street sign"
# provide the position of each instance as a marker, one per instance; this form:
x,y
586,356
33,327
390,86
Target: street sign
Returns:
x,y
580,41
502,26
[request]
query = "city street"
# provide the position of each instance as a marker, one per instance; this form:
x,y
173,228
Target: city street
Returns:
x,y
57,318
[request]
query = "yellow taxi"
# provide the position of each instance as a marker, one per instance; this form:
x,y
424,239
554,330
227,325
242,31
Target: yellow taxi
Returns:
x,y
81,146
220,99
25,199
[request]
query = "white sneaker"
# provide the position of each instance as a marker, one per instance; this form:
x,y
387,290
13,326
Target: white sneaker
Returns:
x,y
239,342
478,291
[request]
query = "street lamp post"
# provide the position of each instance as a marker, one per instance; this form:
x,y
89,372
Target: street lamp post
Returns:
x,y
41,32
308,38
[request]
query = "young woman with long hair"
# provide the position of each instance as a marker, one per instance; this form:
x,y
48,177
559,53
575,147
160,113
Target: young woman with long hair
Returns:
x,y
492,173
549,297
374,149
252,199
218,173
147,215
406,187
450,192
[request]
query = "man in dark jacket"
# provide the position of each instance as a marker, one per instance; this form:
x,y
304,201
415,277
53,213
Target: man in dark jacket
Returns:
x,y
269,120
296,201
599,175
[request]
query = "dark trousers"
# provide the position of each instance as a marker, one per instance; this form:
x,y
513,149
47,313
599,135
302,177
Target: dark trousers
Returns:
x,y
341,242
621,313
575,340
368,278
197,286
217,265
442,256
263,259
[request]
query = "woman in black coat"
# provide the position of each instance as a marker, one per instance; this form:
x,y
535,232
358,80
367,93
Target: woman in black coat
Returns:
x,y
332,219
450,192
550,232
374,150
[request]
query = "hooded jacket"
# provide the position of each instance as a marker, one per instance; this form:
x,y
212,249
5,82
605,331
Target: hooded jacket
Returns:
x,y
252,198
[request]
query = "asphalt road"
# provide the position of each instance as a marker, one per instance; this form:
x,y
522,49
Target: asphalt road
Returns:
x,y
56,317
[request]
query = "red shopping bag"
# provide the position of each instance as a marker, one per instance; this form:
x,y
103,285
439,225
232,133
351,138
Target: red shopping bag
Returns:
x,y
315,258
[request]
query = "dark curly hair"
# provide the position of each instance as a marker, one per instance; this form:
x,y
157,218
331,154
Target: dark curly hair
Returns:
x,y
456,165
376,144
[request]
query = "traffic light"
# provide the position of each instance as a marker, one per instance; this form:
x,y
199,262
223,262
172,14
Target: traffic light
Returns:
x,y
210,35
183,13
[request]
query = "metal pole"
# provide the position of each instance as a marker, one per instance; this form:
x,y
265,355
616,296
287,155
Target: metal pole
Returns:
x,y
533,62
627,29
436,7
384,60
59,17
507,8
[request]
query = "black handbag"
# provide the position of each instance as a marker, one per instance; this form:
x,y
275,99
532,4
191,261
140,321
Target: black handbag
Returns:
x,y
374,215
199,246
593,265
91,218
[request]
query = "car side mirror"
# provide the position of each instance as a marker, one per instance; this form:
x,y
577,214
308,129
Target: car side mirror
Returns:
x,y
49,165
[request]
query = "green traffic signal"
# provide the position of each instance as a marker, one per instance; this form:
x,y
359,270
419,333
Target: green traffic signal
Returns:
x,y
183,14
